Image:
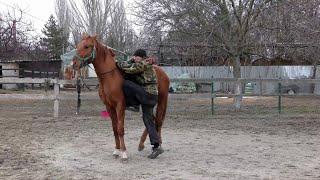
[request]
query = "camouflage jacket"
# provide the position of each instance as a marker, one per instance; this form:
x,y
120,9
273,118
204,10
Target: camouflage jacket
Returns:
x,y
143,74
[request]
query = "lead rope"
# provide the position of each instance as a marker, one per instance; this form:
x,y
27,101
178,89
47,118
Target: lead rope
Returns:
x,y
78,87
85,84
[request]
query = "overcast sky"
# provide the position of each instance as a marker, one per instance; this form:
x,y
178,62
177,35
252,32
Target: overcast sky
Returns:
x,y
37,11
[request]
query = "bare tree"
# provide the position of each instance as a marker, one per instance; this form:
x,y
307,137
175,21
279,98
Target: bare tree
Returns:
x,y
90,16
227,23
297,31
15,38
64,18
287,28
106,18
121,36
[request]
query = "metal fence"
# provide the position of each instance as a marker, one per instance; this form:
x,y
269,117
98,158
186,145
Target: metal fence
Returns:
x,y
251,72
239,82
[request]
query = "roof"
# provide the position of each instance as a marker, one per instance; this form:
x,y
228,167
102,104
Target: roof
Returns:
x,y
27,60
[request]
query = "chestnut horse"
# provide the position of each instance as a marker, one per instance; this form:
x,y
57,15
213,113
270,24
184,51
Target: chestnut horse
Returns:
x,y
89,50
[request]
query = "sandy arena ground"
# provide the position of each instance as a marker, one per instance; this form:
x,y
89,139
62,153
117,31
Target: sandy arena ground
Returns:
x,y
256,143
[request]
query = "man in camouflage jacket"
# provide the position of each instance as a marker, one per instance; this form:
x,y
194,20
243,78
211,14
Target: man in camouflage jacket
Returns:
x,y
143,90
143,74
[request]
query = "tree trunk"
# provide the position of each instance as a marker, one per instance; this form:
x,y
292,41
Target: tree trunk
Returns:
x,y
238,87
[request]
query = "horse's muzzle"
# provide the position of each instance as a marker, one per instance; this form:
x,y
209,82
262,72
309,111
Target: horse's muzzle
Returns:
x,y
85,63
76,66
80,65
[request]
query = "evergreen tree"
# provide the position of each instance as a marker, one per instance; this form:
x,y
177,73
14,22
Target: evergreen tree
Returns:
x,y
55,42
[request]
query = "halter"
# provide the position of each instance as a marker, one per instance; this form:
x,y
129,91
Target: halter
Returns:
x,y
87,59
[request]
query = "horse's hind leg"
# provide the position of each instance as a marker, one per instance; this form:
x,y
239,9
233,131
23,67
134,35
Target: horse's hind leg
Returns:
x,y
158,123
143,139
160,115
145,134
159,127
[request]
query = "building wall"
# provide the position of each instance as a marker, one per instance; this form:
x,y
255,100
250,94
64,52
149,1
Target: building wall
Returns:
x,y
10,73
42,66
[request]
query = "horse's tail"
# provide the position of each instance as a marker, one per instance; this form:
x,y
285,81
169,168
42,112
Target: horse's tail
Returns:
x,y
163,90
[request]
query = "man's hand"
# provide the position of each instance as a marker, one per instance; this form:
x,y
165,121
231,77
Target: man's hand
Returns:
x,y
151,60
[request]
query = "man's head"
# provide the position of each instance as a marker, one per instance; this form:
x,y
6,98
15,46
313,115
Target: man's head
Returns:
x,y
139,54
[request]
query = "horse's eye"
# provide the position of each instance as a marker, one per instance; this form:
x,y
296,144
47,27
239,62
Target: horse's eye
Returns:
x,y
86,47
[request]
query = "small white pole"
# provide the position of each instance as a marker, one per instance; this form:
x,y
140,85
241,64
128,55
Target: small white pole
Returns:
x,y
56,99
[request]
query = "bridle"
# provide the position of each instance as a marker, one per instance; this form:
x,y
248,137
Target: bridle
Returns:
x,y
85,61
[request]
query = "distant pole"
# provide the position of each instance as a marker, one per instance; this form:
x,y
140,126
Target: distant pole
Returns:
x,y
212,97
23,75
32,76
279,97
40,77
78,99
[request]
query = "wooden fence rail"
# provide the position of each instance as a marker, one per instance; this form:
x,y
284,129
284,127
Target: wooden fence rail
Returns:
x,y
57,82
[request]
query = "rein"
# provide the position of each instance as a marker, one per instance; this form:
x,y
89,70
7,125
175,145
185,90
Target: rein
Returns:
x,y
101,75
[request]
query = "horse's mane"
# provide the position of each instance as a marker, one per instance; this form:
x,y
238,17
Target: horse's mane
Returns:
x,y
99,46
102,48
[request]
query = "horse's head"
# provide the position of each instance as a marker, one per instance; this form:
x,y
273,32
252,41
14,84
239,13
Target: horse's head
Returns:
x,y
86,52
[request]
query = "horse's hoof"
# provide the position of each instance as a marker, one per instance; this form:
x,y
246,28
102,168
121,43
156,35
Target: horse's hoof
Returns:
x,y
124,157
116,153
124,160
141,147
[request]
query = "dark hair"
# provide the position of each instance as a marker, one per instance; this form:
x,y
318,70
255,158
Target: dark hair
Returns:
x,y
141,53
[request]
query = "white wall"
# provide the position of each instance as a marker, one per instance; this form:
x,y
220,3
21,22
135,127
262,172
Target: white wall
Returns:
x,y
91,71
284,72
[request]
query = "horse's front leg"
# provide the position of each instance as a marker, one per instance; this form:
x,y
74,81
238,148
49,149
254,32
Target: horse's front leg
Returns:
x,y
113,114
120,114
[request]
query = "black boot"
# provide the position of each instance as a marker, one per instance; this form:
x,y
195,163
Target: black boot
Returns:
x,y
134,108
156,151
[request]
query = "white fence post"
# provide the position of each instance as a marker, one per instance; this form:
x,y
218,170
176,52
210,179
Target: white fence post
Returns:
x,y
56,99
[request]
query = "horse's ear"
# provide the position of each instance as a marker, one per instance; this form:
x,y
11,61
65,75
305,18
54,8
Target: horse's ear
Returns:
x,y
95,37
111,52
85,35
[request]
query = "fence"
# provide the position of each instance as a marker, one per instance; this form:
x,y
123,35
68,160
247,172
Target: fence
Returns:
x,y
57,82
242,82
22,73
29,73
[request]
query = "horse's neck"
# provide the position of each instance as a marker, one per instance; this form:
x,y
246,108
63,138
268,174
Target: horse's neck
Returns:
x,y
105,65
107,69
104,62
104,69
